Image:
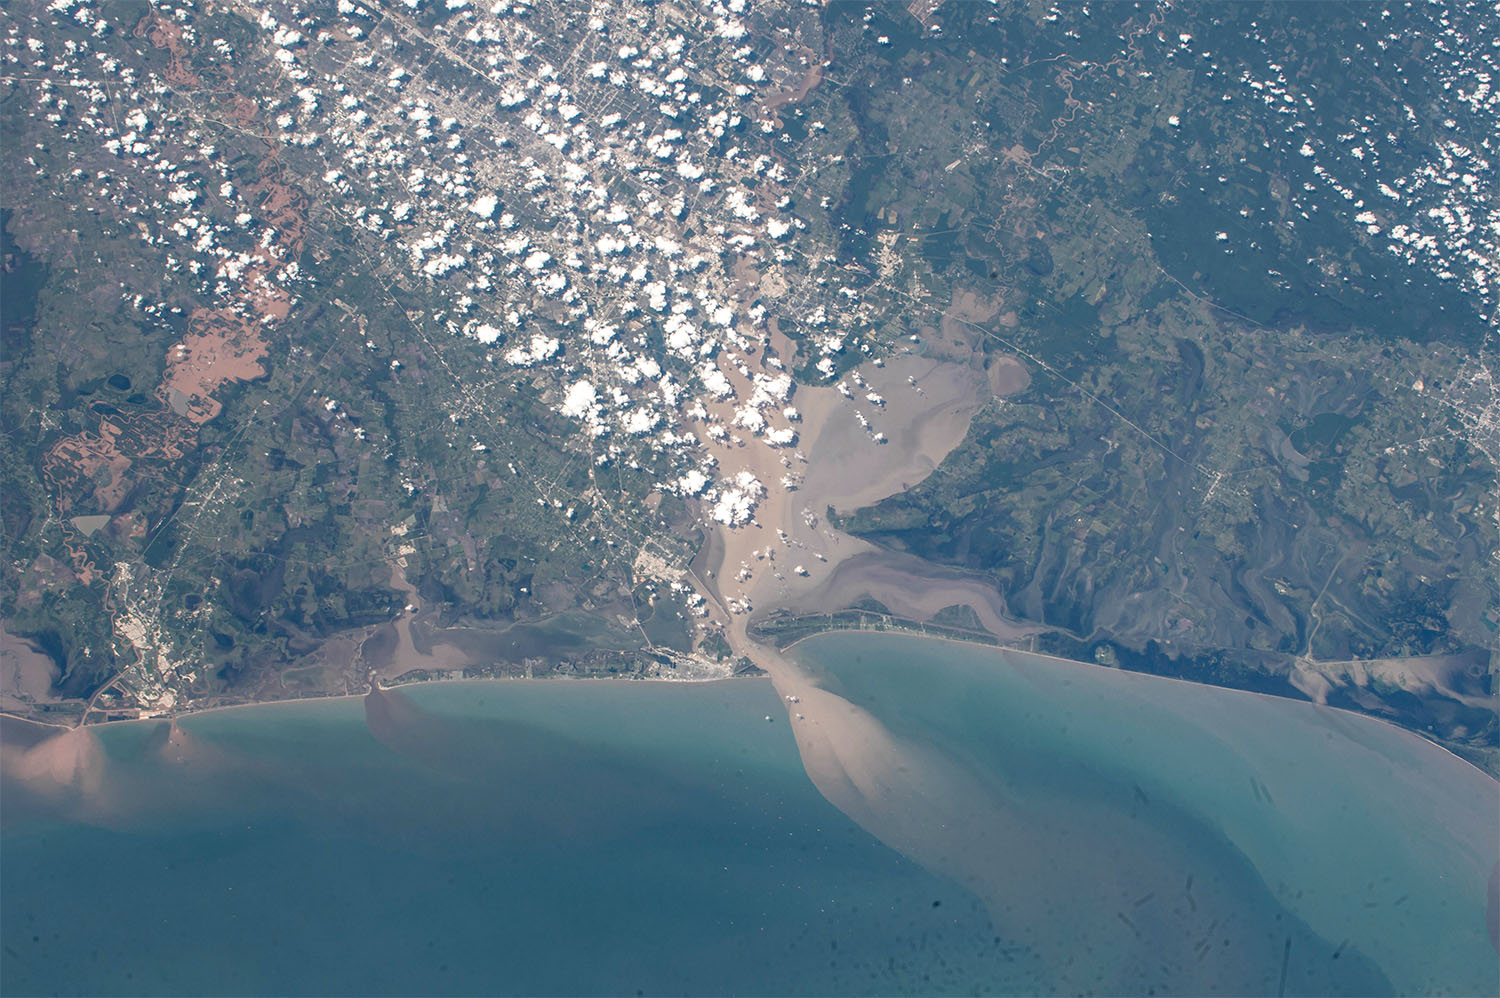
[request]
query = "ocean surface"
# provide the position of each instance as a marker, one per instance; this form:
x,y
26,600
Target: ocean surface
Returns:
x,y
622,838
1146,834
504,837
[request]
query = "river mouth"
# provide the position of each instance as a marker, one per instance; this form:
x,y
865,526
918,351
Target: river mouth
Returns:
x,y
853,453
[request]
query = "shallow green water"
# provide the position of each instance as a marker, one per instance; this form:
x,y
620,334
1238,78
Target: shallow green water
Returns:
x,y
475,838
1186,838
581,837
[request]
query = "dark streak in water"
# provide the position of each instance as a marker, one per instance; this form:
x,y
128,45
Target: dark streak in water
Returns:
x,y
1492,907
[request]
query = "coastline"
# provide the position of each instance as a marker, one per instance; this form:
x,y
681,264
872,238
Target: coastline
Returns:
x,y
898,627
788,559
1145,676
386,688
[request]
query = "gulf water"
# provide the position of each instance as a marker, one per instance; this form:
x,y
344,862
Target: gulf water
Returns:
x,y
1153,835
617,837
481,838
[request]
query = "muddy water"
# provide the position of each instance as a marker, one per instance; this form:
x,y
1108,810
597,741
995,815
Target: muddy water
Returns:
x,y
910,587
507,837
1139,834
926,407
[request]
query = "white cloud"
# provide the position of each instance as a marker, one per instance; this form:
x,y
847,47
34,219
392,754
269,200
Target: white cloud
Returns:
x,y
580,400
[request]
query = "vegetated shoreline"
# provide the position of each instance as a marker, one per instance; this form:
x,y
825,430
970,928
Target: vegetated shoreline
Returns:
x,y
846,465
401,682
845,468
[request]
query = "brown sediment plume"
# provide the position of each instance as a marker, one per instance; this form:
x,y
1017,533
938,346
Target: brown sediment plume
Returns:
x,y
406,729
910,587
926,805
790,557
1017,852
17,734
385,710
72,759
176,745
925,412
928,808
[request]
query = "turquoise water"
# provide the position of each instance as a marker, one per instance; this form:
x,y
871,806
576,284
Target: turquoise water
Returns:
x,y
1191,839
1129,835
473,838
